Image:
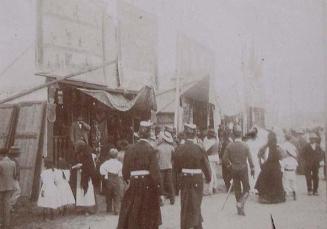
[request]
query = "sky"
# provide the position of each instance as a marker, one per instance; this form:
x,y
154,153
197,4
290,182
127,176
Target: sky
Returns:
x,y
287,34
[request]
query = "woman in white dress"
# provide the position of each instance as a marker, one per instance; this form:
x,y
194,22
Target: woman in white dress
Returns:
x,y
49,198
86,177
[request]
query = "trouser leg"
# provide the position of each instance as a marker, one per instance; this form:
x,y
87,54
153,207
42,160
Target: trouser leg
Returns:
x,y
6,209
108,192
237,188
170,185
226,176
15,195
308,178
246,187
315,178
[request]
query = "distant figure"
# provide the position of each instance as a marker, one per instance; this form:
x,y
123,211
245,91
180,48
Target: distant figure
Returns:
x,y
254,147
190,162
165,151
7,186
312,155
269,183
112,171
236,157
226,173
49,197
79,131
211,146
289,165
140,208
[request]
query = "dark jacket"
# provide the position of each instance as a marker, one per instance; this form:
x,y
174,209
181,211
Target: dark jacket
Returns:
x,y
236,155
310,156
140,207
191,156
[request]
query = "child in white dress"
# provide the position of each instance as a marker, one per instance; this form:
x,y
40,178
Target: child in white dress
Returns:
x,y
49,197
65,192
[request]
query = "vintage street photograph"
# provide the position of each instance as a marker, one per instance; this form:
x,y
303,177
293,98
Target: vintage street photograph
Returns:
x,y
163,114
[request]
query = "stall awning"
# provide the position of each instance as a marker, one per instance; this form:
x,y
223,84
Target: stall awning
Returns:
x,y
143,100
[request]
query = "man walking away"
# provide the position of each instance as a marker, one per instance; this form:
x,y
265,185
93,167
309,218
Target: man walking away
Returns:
x,y
312,155
235,158
191,161
165,150
140,206
112,171
7,186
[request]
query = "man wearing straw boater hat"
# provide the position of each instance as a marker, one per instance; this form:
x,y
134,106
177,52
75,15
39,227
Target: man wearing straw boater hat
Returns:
x,y
140,207
165,150
191,161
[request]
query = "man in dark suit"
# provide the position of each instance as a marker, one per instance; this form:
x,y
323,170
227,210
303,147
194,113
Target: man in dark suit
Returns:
x,y
236,156
79,131
312,155
190,162
7,186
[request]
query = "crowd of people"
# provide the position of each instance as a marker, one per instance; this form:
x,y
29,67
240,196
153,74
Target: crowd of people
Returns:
x,y
137,179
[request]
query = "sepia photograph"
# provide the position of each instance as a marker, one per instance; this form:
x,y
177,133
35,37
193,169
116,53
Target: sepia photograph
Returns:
x,y
163,114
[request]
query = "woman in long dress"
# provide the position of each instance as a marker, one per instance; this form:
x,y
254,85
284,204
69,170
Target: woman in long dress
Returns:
x,y
269,183
86,178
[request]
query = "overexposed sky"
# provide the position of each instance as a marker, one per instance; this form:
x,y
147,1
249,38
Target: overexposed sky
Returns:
x,y
288,34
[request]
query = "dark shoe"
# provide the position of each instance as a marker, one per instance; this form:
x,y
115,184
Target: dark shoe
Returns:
x,y
315,193
309,193
294,195
172,202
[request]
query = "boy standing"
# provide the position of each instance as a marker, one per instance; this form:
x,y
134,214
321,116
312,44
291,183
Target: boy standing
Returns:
x,y
112,172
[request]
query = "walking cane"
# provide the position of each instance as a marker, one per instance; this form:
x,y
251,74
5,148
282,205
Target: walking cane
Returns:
x,y
228,193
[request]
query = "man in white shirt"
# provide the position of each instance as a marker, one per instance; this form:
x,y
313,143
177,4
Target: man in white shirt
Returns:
x,y
112,172
289,165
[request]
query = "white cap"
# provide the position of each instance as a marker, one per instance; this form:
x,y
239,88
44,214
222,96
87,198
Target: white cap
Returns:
x,y
190,125
146,123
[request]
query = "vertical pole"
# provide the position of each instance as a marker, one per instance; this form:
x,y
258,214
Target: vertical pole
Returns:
x,y
177,97
324,34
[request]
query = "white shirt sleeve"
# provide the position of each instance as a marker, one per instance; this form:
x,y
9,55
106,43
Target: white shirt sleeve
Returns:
x,y
103,170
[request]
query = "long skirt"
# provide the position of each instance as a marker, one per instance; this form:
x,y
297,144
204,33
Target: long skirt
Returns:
x,y
270,183
84,199
191,199
140,208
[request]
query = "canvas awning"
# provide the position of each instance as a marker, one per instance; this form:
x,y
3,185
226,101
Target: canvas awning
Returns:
x,y
143,100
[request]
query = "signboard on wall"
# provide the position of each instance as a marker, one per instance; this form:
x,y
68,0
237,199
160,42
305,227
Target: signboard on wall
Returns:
x,y
75,35
138,39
